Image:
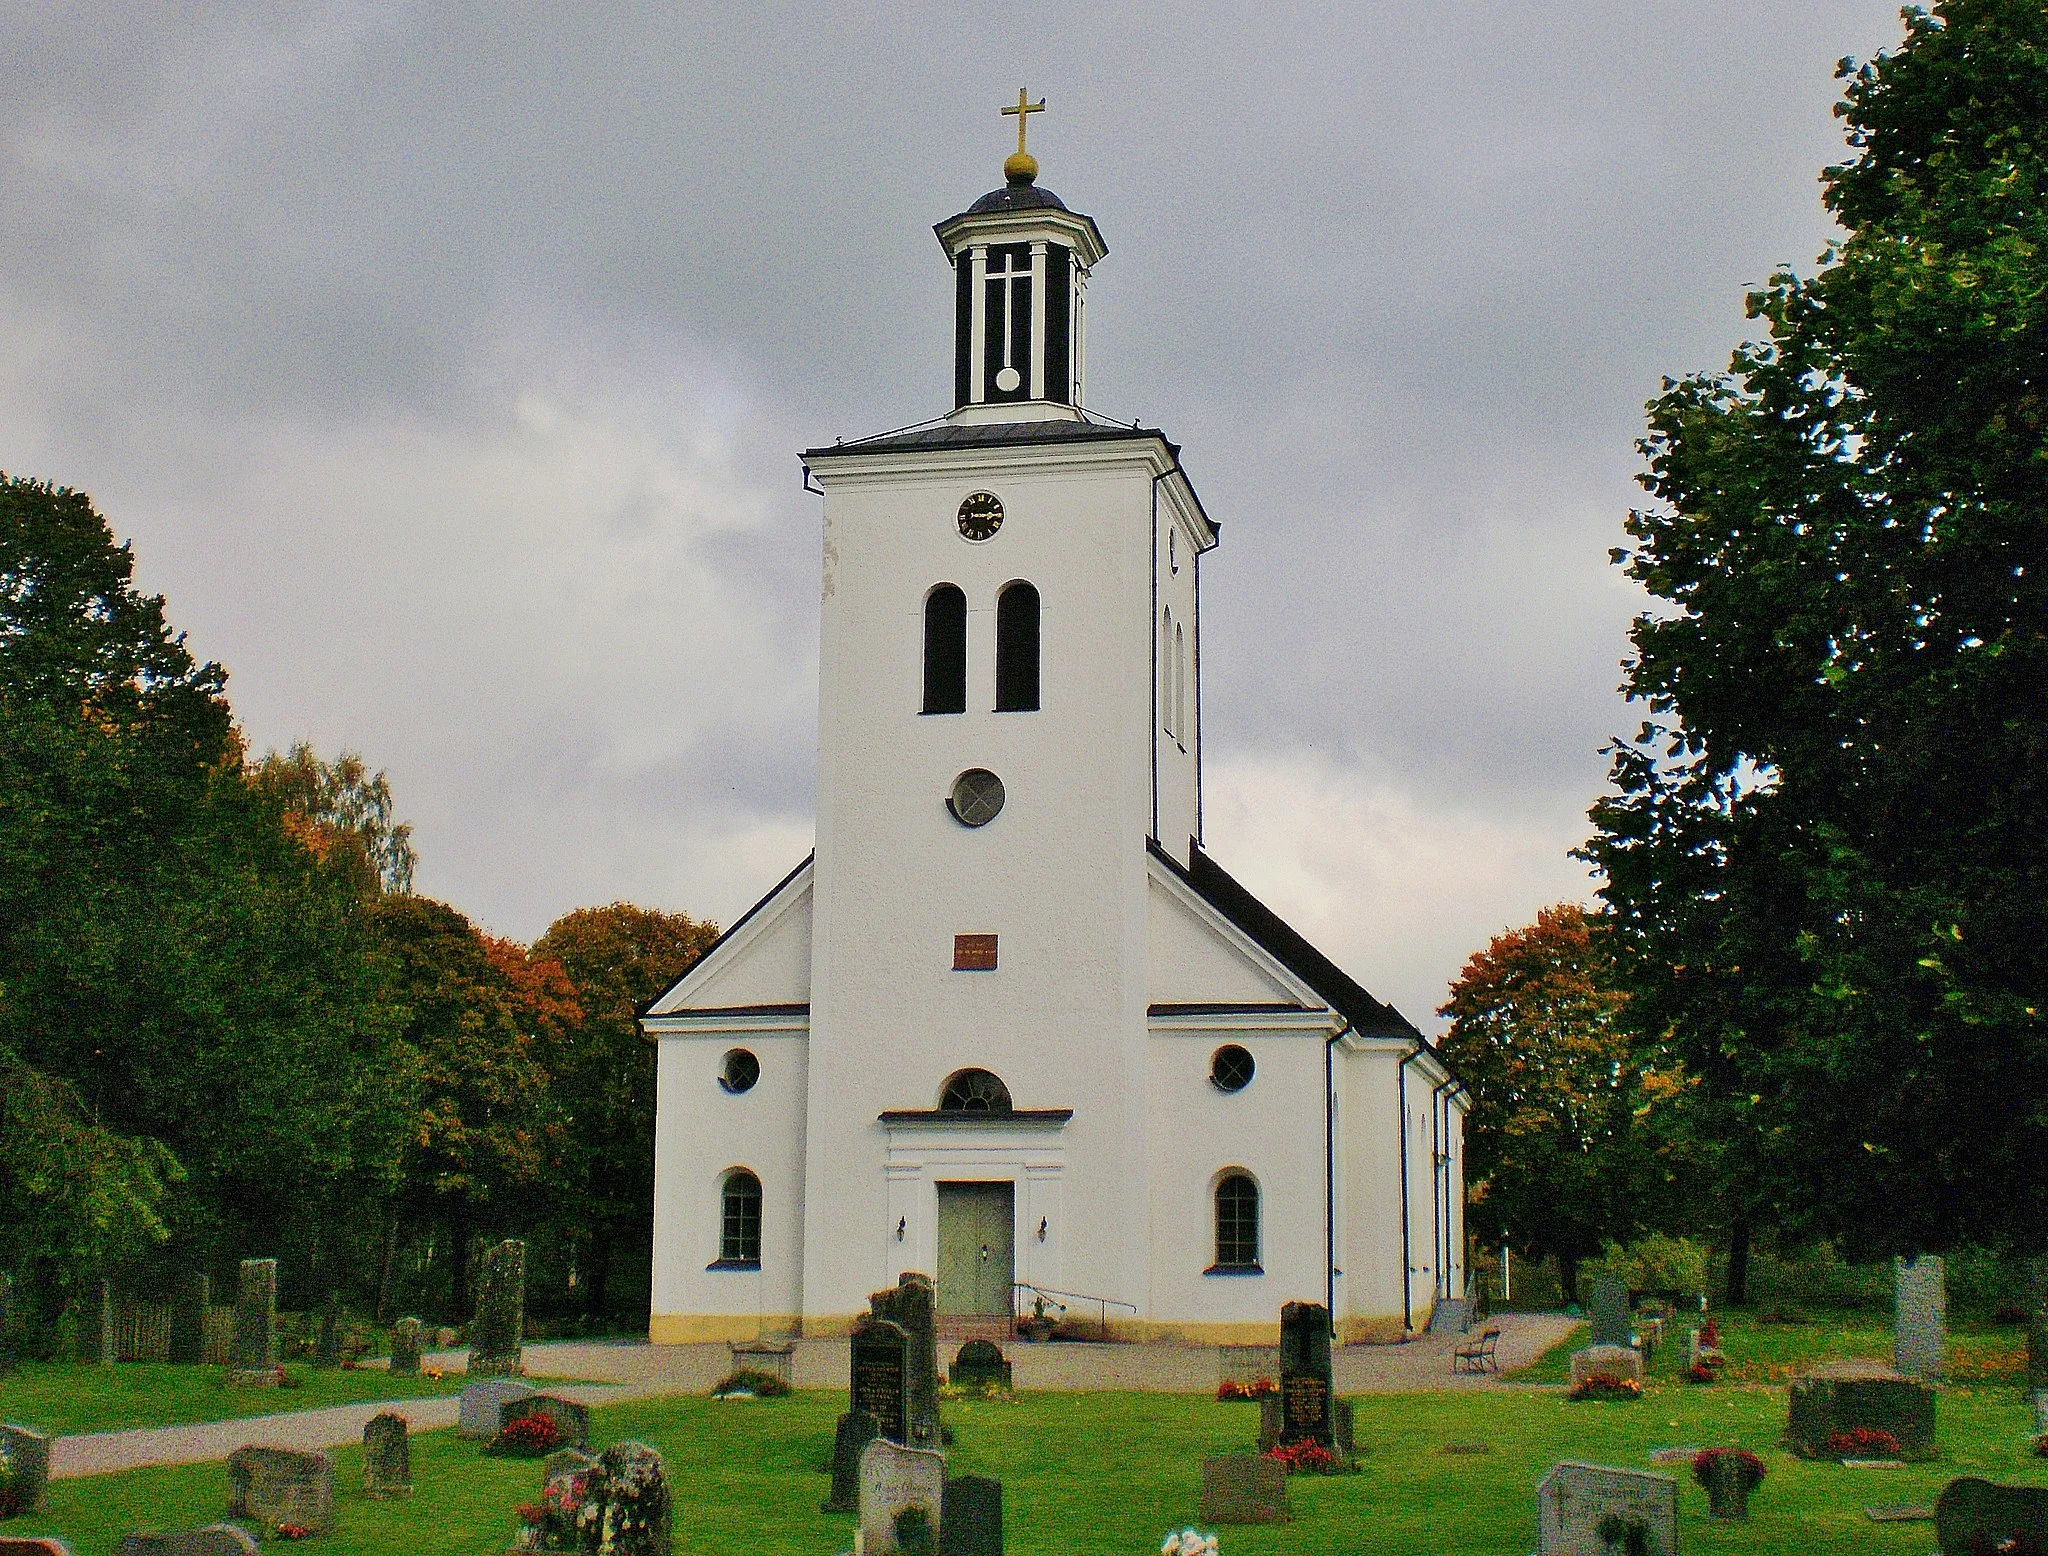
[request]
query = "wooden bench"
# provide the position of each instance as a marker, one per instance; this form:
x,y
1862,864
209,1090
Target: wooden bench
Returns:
x,y
1478,1355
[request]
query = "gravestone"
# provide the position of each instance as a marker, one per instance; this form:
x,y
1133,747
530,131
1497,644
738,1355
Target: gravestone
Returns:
x,y
7,1321
1608,1313
213,1540
482,1405
893,1480
1974,1515
634,1500
28,1455
43,1545
2040,1399
1591,1510
282,1486
253,1355
565,1464
387,1457
1340,1424
1843,1396
1247,1363
327,1340
189,1299
971,1517
1606,1361
911,1305
881,1376
2037,1323
1244,1488
499,1327
405,1348
96,1326
1919,1327
855,1431
978,1364
571,1419
1305,1391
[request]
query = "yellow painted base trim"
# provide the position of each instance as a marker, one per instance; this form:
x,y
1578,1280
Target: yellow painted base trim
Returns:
x,y
709,1328
1371,1331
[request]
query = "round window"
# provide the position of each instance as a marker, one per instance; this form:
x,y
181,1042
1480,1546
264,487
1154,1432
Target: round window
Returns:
x,y
740,1071
1230,1068
976,797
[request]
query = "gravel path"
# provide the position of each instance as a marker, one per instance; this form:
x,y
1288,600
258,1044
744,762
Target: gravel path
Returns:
x,y
618,1371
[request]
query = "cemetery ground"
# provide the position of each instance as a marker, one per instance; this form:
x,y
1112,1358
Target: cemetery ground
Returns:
x,y
66,1399
1110,1472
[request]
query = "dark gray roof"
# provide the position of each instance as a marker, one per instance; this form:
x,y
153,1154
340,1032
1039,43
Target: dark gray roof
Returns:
x,y
993,434
1017,197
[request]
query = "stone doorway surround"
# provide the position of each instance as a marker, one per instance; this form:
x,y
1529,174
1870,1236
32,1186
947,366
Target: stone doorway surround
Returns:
x,y
1024,1150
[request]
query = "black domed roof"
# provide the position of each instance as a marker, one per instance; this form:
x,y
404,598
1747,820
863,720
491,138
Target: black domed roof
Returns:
x,y
1017,197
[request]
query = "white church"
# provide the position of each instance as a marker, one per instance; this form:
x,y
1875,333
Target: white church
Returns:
x,y
1010,1024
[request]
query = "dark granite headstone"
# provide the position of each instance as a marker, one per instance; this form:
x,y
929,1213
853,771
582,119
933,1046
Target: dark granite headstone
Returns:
x,y
911,1304
1305,1388
498,1329
387,1457
978,1364
28,1456
254,1352
213,1540
282,1486
881,1376
1608,1313
189,1299
855,1431
630,1486
1972,1516
405,1348
971,1517
1244,1488
327,1339
96,1325
571,1419
1839,1398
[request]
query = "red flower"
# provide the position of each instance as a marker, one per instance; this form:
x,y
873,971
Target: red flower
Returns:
x,y
1304,1458
1863,1442
534,1435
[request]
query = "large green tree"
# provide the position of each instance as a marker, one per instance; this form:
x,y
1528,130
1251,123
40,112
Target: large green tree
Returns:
x,y
1826,855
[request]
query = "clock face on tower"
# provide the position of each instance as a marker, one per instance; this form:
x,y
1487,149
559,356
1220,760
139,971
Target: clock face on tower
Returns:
x,y
981,515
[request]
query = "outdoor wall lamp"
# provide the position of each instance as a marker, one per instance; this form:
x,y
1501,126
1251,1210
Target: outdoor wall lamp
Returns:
x,y
901,1223
1041,1229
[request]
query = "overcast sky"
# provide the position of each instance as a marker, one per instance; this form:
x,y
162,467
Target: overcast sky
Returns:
x,y
447,366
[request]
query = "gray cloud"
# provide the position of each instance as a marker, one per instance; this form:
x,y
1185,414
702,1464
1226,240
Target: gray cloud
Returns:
x,y
448,363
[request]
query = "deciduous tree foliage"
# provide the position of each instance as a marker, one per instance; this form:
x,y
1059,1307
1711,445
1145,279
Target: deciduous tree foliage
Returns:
x,y
1560,1157
1826,855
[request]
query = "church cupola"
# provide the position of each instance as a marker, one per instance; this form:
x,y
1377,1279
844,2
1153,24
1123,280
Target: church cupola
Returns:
x,y
1020,265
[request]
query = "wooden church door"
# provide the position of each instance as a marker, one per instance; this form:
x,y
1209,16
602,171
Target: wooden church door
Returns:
x,y
977,1250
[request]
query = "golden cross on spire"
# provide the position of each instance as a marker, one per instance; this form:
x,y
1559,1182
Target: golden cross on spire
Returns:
x,y
1022,167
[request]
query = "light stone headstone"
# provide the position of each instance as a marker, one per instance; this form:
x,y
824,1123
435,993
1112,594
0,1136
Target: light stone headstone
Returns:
x,y
482,1406
28,1455
635,1503
1608,1313
894,1479
282,1486
387,1457
213,1540
2037,1323
497,1331
1919,1331
254,1353
34,1545
1607,1361
189,1300
1247,1363
405,1348
2040,1399
1244,1488
1574,1500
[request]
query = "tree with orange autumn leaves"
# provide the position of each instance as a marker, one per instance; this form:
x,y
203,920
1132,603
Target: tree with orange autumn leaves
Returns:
x,y
1563,1146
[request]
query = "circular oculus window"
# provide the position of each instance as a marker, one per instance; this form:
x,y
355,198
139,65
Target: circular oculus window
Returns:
x,y
981,515
740,1070
1230,1068
976,798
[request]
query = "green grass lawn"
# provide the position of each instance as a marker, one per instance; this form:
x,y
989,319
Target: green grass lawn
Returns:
x,y
1088,1473
61,1399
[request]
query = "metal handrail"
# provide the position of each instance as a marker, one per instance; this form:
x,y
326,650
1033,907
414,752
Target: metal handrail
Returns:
x,y
1102,1304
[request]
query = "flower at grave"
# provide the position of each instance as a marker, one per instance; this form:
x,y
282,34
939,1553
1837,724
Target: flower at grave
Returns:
x,y
528,1437
1710,1461
749,1384
2041,1446
1258,1388
1305,1458
1863,1442
1189,1542
1607,1385
1710,1334
289,1531
432,1374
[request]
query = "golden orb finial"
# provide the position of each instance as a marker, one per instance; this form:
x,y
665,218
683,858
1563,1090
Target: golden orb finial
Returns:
x,y
1020,167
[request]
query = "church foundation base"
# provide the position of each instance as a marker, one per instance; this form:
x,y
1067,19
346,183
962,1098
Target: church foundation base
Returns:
x,y
705,1328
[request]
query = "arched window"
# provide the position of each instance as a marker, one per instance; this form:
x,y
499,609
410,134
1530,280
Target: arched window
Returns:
x,y
1237,1222
945,650
1166,669
974,1091
1180,686
1017,649
739,1231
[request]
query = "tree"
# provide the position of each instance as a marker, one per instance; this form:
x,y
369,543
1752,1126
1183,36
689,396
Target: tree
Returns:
x,y
618,958
343,814
1826,856
1559,1155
